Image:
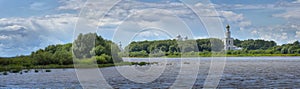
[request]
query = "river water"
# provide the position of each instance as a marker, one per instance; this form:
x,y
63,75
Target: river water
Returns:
x,y
239,72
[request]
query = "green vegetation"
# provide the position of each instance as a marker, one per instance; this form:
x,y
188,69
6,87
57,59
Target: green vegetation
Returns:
x,y
47,70
208,47
87,48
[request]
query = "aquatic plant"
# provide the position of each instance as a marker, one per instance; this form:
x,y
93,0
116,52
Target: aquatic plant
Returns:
x,y
26,71
186,63
36,71
5,73
15,70
48,70
142,63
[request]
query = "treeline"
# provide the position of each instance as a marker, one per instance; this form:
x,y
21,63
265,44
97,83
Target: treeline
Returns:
x,y
205,47
265,48
87,46
171,47
254,44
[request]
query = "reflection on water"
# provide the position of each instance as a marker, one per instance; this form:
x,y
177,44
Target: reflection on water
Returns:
x,y
240,72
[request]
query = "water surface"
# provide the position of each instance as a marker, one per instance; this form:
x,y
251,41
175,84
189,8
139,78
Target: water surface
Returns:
x,y
239,72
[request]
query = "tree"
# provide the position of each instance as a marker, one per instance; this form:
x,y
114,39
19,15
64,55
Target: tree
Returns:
x,y
172,49
63,57
284,50
43,58
98,50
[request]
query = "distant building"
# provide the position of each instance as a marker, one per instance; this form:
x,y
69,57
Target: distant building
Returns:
x,y
120,46
180,38
229,41
186,38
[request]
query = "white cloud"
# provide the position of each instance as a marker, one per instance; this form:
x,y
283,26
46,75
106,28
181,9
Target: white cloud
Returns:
x,y
284,36
30,34
231,16
297,34
38,6
235,18
200,37
280,4
254,32
12,28
4,37
71,4
281,33
290,14
297,1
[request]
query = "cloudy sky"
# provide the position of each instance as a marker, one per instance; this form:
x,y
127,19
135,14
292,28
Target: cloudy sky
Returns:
x,y
28,25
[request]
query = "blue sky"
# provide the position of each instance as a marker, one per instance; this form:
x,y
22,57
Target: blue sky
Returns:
x,y
28,25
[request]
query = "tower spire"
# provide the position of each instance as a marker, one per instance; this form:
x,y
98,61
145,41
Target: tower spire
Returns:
x,y
228,33
228,28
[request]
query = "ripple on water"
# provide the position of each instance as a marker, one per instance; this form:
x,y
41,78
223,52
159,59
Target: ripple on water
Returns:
x,y
237,74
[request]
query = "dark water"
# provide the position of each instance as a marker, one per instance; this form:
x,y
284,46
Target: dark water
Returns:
x,y
239,72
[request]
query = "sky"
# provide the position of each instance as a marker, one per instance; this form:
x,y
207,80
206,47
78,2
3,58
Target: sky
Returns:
x,y
29,25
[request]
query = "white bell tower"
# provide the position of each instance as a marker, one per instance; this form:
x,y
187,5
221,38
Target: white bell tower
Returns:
x,y
229,41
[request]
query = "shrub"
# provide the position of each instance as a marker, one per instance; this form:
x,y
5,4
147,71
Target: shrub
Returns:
x,y
101,59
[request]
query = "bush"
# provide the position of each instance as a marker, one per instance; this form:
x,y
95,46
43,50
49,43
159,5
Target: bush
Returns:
x,y
103,59
138,54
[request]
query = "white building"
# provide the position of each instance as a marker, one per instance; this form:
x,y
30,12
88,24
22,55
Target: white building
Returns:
x,y
229,41
179,38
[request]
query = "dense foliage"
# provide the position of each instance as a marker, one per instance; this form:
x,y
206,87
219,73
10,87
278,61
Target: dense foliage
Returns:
x,y
85,46
254,44
204,47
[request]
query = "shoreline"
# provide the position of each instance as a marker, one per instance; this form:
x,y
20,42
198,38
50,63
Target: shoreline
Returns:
x,y
298,55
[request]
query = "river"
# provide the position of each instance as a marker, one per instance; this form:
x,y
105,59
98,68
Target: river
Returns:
x,y
239,72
